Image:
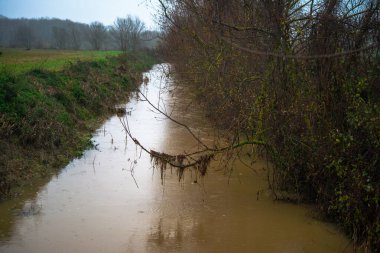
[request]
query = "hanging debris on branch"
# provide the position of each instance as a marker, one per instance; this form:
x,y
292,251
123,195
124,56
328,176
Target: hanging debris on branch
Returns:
x,y
180,162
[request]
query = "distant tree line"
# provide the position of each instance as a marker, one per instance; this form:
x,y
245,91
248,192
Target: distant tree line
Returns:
x,y
126,34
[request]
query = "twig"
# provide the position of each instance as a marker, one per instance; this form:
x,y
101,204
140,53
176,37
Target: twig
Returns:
x,y
93,164
304,57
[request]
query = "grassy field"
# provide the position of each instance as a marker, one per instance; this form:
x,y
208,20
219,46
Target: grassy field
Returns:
x,y
21,60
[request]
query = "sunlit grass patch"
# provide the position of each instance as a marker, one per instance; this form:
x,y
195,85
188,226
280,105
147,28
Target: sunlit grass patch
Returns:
x,y
20,60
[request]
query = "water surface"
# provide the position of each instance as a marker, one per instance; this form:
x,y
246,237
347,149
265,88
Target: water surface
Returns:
x,y
112,200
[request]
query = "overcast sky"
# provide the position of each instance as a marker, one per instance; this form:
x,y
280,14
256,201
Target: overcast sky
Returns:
x,y
84,11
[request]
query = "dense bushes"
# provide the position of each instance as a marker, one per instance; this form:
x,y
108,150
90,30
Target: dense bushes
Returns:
x,y
302,76
45,116
327,152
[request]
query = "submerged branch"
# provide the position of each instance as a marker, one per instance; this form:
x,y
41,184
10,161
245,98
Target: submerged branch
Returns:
x,y
199,160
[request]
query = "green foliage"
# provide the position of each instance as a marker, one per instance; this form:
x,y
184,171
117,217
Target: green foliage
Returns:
x,y
78,93
356,163
65,119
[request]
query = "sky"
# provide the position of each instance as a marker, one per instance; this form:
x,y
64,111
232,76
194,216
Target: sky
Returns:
x,y
84,11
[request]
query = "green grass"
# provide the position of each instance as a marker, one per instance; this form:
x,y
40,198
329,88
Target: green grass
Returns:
x,y
21,60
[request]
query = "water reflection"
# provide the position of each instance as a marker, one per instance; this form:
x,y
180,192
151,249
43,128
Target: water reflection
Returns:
x,y
169,238
25,205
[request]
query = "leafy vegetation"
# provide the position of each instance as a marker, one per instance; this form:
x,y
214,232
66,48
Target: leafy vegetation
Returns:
x,y
46,116
303,78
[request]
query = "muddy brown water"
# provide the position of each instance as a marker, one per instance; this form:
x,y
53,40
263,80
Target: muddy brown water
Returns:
x,y
94,204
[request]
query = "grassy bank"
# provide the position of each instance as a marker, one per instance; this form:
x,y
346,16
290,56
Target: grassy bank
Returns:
x,y
46,116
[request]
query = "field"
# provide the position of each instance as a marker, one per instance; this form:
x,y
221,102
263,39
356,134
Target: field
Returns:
x,y
21,60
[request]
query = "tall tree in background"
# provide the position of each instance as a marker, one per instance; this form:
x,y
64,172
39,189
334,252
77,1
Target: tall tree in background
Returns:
x,y
74,35
127,32
97,35
24,36
119,33
136,28
61,37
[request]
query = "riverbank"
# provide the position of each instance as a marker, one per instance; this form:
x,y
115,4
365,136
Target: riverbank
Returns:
x,y
47,117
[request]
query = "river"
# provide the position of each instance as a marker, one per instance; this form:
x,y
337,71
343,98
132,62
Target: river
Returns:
x,y
112,200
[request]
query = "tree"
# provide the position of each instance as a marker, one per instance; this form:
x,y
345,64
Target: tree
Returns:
x,y
74,35
150,39
24,36
60,36
127,32
119,33
97,35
